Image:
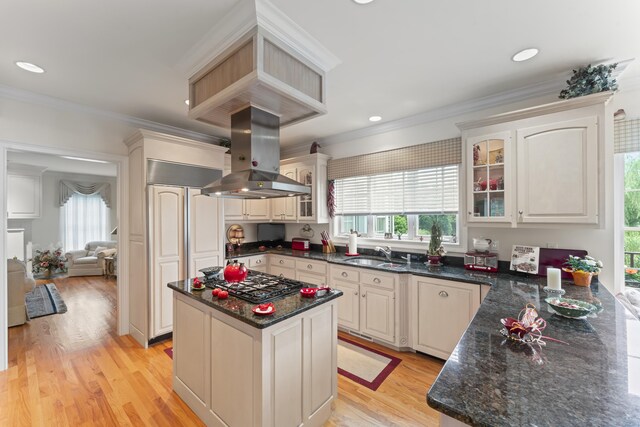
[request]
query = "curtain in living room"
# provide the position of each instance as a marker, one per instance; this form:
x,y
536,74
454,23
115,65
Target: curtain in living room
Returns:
x,y
84,218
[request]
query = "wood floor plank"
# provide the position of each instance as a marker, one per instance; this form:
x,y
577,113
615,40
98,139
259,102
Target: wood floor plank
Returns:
x,y
73,369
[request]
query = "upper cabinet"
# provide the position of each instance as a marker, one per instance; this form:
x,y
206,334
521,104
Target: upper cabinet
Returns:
x,y
537,166
24,192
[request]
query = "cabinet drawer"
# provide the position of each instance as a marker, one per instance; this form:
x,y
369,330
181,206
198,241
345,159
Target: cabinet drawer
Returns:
x,y
345,274
288,273
314,279
378,279
317,267
258,261
282,261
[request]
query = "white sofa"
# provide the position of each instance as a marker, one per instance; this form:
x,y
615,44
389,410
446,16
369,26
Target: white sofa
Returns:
x,y
19,283
86,262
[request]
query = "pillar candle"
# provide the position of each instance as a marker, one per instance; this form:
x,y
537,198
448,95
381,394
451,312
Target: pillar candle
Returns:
x,y
553,278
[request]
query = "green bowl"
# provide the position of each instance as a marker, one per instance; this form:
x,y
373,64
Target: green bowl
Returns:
x,y
574,313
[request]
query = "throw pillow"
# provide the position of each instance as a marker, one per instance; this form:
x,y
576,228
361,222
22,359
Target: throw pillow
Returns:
x,y
99,249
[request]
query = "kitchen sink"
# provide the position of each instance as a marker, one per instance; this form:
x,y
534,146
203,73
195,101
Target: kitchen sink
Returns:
x,y
373,262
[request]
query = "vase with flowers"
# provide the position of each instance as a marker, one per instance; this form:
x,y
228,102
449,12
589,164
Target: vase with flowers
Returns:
x,y
48,262
583,269
436,251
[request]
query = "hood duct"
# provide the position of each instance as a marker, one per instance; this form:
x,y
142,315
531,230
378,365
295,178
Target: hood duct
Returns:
x,y
255,160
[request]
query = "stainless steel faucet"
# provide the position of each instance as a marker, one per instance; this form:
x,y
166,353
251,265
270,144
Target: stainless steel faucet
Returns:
x,y
385,250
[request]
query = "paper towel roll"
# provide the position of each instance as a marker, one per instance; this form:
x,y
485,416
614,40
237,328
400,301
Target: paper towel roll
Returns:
x,y
353,243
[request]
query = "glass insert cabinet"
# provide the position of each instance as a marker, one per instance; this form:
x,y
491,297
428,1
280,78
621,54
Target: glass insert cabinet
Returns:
x,y
488,183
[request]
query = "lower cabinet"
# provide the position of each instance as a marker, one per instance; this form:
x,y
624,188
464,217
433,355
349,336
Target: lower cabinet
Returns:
x,y
441,310
365,308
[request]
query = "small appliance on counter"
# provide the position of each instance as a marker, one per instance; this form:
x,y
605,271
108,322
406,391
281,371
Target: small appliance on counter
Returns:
x,y
300,244
482,261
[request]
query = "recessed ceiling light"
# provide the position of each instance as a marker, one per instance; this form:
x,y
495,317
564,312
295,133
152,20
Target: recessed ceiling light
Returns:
x,y
186,101
362,1
525,54
83,159
375,118
28,66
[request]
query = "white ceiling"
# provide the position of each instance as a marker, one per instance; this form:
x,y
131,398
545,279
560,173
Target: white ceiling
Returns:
x,y
51,163
399,58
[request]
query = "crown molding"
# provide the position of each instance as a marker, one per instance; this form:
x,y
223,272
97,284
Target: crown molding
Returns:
x,y
146,134
9,92
241,19
541,89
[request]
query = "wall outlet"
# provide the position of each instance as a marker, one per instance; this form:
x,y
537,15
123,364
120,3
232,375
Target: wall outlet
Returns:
x,y
495,245
552,245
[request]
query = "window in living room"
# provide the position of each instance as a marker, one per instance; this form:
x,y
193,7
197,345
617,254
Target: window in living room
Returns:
x,y
84,218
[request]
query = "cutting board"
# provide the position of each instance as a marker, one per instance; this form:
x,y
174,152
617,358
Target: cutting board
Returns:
x,y
556,258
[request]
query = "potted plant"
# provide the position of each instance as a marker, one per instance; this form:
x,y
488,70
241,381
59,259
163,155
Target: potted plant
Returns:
x,y
589,79
436,251
49,261
583,269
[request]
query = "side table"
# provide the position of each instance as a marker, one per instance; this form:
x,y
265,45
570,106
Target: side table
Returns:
x,y
110,270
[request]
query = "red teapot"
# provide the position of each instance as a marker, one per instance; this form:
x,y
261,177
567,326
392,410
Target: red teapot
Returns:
x,y
235,272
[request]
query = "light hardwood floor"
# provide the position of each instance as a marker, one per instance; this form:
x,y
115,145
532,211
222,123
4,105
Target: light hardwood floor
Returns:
x,y
73,370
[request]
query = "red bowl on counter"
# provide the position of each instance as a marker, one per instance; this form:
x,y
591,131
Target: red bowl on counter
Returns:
x,y
308,292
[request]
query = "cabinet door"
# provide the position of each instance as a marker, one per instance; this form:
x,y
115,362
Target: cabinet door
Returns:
x,y
489,186
258,209
349,305
233,209
558,172
23,196
313,279
442,314
167,263
205,234
306,203
284,208
377,314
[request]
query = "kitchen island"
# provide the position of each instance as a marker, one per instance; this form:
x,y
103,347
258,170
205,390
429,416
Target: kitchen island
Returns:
x,y
235,368
593,380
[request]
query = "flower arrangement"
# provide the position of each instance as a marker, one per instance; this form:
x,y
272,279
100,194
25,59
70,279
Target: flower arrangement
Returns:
x,y
587,264
49,260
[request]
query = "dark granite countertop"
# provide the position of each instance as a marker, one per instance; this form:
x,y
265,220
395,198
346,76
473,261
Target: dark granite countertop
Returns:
x,y
447,272
593,380
286,307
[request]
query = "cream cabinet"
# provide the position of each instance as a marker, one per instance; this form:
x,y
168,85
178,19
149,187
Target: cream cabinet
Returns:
x,y
312,272
538,166
247,210
441,310
257,263
24,192
311,171
368,305
282,266
558,172
284,208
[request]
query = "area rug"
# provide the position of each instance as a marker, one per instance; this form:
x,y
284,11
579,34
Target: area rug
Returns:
x,y
366,366
44,300
169,352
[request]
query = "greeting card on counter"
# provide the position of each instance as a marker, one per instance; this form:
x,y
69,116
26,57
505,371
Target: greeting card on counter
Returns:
x,y
525,258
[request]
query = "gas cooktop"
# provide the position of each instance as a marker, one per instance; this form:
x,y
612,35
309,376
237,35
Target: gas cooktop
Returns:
x,y
257,287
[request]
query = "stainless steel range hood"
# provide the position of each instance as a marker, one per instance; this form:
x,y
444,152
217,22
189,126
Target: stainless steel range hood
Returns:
x,y
255,160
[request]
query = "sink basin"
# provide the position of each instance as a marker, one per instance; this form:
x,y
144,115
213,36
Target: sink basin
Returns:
x,y
391,265
364,261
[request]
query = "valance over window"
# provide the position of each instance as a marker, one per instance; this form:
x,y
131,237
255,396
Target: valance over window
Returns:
x,y
69,188
433,154
626,136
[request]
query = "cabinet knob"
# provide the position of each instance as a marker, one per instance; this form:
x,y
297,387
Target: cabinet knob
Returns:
x,y
364,295
520,212
355,293
259,261
469,212
281,274
310,267
344,274
443,294
376,280
281,261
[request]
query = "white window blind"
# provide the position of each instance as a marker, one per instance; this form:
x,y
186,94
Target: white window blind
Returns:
x,y
431,190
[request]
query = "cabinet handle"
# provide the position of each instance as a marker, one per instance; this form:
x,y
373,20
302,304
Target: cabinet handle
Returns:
x,y
469,212
520,212
344,274
376,280
355,293
259,261
281,274
310,267
443,294
281,261
364,295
